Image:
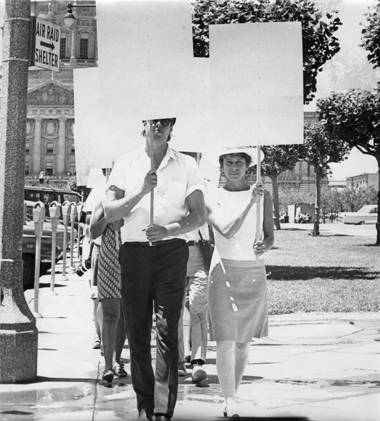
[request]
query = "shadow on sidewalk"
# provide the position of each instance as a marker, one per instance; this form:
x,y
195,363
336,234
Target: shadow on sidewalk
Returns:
x,y
279,418
42,379
290,273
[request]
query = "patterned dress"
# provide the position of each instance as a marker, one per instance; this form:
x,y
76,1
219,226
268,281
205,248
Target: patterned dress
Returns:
x,y
109,275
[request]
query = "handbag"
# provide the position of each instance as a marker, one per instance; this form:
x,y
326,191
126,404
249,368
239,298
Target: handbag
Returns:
x,y
206,248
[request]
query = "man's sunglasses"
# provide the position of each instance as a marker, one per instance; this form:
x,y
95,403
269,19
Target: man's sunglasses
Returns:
x,y
164,122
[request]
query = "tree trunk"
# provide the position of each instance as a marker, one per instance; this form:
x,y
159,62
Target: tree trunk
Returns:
x,y
318,174
276,204
378,203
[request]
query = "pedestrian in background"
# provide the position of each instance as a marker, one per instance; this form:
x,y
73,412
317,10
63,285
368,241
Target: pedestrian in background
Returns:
x,y
193,337
237,283
109,312
89,206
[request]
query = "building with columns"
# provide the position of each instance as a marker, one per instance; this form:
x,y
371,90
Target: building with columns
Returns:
x,y
49,143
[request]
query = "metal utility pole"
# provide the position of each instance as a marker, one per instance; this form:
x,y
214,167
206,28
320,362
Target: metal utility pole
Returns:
x,y
18,332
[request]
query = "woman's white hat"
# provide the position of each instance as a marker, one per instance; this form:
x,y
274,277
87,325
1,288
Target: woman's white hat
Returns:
x,y
249,150
209,164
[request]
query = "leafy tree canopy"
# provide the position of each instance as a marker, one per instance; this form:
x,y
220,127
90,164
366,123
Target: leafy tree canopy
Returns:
x,y
354,117
319,42
278,159
322,148
371,35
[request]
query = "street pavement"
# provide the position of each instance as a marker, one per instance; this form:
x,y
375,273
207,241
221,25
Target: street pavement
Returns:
x,y
365,230
313,366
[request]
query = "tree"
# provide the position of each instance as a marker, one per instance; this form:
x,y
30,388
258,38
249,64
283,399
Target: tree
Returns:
x,y
353,199
277,160
331,202
371,35
288,196
348,199
319,42
354,117
321,149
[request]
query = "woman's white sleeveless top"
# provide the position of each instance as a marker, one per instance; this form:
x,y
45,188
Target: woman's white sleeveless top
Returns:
x,y
230,203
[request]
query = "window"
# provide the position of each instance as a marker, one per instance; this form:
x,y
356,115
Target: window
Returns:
x,y
72,168
27,147
49,148
83,48
49,168
26,168
62,48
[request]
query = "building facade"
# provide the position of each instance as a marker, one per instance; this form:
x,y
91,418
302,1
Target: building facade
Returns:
x,y
363,180
49,143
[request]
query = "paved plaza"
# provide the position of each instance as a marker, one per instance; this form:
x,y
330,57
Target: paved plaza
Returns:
x,y
313,366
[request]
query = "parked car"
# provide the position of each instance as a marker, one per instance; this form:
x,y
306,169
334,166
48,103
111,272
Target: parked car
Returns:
x,y
46,195
366,215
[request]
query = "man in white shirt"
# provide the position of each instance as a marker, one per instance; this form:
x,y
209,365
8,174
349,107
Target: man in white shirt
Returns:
x,y
153,257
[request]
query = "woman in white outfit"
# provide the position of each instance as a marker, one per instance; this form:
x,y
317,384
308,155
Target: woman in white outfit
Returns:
x,y
237,283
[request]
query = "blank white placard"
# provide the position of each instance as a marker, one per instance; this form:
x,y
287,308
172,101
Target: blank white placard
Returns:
x,y
145,53
256,84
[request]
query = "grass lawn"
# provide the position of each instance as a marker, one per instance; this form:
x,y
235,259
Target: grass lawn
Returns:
x,y
329,273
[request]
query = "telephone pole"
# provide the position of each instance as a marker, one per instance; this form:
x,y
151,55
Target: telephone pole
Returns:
x,y
18,332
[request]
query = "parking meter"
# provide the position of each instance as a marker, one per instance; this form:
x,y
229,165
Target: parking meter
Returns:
x,y
79,213
38,219
66,209
73,215
54,213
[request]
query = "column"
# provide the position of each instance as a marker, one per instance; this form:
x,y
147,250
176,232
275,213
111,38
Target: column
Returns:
x,y
18,331
36,164
61,150
73,58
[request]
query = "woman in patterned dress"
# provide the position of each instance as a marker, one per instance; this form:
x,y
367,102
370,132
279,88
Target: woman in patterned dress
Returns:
x,y
109,278
237,281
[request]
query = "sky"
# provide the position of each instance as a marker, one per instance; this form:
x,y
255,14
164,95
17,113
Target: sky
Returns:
x,y
349,69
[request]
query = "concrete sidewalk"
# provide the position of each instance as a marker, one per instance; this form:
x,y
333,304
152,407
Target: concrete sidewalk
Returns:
x,y
312,366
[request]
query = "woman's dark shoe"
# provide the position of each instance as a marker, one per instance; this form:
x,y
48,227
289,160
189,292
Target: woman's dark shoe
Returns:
x,y
96,344
119,370
198,374
108,375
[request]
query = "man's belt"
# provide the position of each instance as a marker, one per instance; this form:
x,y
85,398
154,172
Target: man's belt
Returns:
x,y
192,243
154,243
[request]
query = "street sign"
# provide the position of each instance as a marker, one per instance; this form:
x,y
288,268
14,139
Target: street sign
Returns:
x,y
46,44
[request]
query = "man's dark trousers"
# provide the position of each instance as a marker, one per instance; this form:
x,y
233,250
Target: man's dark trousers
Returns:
x,y
154,274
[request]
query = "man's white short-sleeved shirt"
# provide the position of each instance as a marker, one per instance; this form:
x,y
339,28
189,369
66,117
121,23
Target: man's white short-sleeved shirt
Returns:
x,y
178,176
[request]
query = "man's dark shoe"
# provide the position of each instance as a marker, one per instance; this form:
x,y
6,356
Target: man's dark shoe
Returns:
x,y
144,415
161,417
